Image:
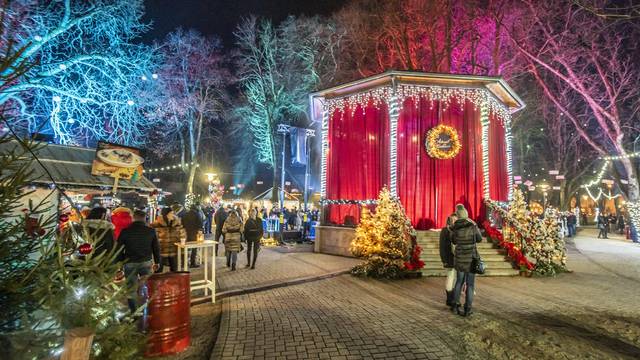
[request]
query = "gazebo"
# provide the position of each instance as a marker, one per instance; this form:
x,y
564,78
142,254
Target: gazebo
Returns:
x,y
434,140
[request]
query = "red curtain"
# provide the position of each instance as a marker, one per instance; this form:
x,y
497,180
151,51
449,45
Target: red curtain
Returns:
x,y
358,159
430,188
498,177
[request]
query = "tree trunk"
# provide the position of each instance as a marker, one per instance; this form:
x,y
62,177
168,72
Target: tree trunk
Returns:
x,y
77,344
633,197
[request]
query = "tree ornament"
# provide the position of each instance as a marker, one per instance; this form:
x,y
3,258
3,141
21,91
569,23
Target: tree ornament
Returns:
x,y
64,218
443,142
85,249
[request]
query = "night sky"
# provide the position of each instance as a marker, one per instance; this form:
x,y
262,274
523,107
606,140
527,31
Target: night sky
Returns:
x,y
220,17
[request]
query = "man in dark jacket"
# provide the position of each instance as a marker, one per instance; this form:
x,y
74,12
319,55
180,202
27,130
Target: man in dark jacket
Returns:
x,y
446,255
140,249
218,219
192,223
465,236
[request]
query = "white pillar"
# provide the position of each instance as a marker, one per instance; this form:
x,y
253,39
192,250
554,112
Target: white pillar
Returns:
x,y
394,113
484,121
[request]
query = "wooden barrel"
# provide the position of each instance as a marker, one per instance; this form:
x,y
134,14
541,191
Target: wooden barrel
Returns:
x,y
169,317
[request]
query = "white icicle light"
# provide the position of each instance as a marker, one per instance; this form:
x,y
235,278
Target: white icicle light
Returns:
x,y
394,113
484,121
325,149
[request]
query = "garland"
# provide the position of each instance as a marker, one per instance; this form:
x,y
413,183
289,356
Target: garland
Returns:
x,y
433,139
519,259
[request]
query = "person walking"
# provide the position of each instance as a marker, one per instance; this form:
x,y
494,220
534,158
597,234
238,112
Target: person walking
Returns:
x,y
465,235
253,234
572,222
602,226
232,230
621,224
219,218
446,256
139,250
169,231
192,223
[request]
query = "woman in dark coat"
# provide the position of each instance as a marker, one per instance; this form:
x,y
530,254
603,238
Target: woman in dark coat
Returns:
x,y
100,230
446,255
465,236
253,233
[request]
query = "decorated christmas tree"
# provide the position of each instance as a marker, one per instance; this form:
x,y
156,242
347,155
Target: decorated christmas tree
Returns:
x,y
54,283
384,240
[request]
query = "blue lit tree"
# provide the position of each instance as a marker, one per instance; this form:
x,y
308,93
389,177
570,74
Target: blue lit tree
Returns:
x,y
277,68
88,77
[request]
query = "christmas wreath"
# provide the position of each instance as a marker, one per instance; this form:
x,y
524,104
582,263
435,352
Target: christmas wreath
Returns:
x,y
443,142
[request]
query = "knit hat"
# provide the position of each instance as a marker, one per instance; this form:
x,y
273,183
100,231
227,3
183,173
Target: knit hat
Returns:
x,y
461,212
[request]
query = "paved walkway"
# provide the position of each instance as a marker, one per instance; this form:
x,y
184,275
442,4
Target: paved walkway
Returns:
x,y
588,314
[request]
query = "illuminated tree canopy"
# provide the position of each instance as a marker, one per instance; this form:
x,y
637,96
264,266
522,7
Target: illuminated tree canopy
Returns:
x,y
87,75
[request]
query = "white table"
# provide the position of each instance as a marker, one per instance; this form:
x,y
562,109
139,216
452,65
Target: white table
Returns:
x,y
208,250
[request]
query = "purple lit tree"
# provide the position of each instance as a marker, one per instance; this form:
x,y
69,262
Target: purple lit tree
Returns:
x,y
585,64
190,93
87,75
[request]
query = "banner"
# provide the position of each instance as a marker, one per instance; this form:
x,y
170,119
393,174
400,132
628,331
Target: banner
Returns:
x,y
298,146
117,161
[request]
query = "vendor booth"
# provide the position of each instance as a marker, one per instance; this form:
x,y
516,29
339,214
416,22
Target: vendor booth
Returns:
x,y
71,167
434,140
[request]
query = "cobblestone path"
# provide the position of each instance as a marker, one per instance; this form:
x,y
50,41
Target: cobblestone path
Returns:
x,y
591,313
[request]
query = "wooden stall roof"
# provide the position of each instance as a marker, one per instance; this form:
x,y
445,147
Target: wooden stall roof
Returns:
x,y
496,85
71,166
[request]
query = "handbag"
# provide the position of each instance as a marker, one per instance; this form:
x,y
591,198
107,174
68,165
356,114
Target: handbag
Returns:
x,y
477,265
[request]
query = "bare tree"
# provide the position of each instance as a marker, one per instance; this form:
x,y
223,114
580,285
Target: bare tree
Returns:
x,y
585,66
191,90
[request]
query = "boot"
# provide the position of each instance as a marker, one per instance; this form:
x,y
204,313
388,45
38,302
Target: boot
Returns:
x,y
449,298
233,267
455,308
467,312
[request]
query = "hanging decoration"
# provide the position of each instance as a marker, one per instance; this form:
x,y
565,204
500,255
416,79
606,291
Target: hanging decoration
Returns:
x,y
348,202
85,249
442,142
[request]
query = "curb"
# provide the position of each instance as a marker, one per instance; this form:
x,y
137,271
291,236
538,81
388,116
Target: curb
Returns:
x,y
236,292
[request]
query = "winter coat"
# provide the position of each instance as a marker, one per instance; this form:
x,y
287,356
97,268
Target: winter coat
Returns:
x,y
446,252
465,236
232,230
253,229
139,243
219,218
101,232
192,222
169,231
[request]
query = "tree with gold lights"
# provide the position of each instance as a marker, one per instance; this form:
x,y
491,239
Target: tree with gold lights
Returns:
x,y
383,240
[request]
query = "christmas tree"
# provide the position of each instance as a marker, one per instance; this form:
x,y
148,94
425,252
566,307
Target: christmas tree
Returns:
x,y
52,281
383,240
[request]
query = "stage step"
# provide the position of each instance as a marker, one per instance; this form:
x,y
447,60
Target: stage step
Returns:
x,y
498,264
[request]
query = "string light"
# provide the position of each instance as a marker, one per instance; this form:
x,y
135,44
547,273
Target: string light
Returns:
x,y
394,113
167,168
625,156
324,152
484,121
349,202
600,194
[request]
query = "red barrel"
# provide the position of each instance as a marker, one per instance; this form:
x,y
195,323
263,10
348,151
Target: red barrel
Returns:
x,y
169,317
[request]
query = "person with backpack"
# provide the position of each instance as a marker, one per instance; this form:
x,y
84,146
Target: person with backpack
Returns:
x,y
465,235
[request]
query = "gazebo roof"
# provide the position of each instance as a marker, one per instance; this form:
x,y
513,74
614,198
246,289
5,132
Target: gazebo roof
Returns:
x,y
495,85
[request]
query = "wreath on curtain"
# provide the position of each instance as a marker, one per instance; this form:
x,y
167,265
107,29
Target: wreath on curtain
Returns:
x,y
443,142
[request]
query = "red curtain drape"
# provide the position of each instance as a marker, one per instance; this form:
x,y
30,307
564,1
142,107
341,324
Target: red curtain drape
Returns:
x,y
358,159
498,177
430,188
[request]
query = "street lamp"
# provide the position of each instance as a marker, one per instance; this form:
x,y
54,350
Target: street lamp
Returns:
x,y
210,176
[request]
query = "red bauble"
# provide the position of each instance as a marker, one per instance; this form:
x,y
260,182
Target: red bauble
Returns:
x,y
85,248
41,232
64,218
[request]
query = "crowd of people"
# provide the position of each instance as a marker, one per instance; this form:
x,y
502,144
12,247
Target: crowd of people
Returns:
x,y
606,222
